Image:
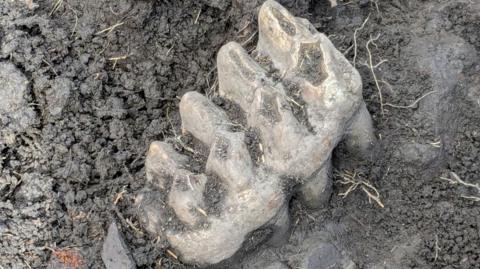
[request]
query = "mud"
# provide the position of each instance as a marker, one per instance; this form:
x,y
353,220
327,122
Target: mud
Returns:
x,y
104,80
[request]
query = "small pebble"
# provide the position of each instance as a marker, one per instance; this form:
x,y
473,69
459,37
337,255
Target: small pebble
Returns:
x,y
115,252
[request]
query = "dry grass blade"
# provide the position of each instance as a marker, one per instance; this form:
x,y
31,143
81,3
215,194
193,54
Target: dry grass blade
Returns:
x,y
169,252
56,6
202,211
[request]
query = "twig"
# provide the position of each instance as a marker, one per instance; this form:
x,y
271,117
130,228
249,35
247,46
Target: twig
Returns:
x,y
412,104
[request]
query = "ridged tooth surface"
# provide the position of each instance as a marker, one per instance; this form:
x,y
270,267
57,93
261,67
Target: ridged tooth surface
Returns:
x,y
201,117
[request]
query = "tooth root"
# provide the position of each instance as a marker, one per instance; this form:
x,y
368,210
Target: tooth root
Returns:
x,y
201,117
360,137
238,75
317,190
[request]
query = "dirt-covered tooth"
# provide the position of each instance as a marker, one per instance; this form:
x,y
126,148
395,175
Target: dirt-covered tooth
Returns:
x,y
280,34
359,137
277,31
331,91
238,75
186,197
230,160
280,226
162,162
316,191
201,117
245,212
280,131
287,146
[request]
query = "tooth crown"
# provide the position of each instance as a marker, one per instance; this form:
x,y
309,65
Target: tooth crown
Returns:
x,y
330,90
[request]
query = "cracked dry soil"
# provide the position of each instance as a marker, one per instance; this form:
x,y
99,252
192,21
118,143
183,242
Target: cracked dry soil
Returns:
x,y
102,79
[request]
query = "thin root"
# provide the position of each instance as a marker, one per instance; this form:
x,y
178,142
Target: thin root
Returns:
x,y
110,29
371,66
355,39
412,105
354,181
457,180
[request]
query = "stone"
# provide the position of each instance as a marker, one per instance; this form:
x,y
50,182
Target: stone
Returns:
x,y
115,253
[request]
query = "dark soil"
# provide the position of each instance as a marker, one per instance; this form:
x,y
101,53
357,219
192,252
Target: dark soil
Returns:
x,y
101,94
